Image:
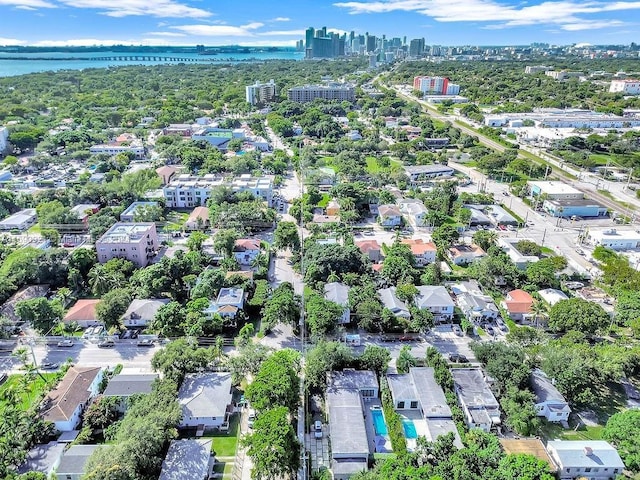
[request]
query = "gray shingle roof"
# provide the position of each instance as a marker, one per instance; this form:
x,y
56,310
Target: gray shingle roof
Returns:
x,y
187,459
574,454
75,459
126,385
337,292
348,431
205,395
433,295
544,389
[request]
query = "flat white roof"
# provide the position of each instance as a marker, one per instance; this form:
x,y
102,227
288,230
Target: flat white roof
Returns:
x,y
554,188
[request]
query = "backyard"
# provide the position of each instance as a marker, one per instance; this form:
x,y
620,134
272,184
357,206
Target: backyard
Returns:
x,y
27,389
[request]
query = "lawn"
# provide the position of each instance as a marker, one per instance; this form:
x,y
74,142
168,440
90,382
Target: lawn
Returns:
x,y
34,390
225,444
552,431
175,220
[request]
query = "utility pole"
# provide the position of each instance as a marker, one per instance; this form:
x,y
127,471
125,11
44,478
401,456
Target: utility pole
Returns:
x,y
544,234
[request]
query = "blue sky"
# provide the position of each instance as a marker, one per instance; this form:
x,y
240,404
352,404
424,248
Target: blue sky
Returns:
x,y
282,22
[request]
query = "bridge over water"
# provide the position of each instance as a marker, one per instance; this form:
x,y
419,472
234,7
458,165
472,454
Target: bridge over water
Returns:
x,y
121,58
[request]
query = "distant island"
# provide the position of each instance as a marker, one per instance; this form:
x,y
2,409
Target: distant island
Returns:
x,y
201,49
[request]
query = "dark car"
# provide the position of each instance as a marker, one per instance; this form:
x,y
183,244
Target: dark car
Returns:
x,y
145,343
457,358
489,329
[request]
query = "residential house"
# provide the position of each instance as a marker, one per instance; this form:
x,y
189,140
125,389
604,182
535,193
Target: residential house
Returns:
x,y
21,220
549,401
198,219
479,405
418,390
137,242
389,216
593,459
188,459
74,460
371,248
124,386
478,217
85,210
142,311
476,306
83,313
205,399
8,309
133,211
64,405
337,292
437,300
392,302
463,254
228,303
415,211
518,303
509,245
246,250
166,172
347,395
43,458
552,295
423,252
333,208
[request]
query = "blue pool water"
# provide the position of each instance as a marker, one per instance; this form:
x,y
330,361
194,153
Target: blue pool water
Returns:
x,y
409,428
378,422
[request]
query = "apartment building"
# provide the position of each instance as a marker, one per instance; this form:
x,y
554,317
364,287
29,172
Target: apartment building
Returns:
x,y
435,85
188,191
134,147
4,138
627,87
137,242
330,91
261,92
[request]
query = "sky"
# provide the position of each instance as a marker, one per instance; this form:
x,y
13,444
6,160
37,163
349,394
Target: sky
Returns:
x,y
282,22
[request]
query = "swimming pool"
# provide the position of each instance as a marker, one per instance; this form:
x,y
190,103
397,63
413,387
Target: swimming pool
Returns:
x,y
378,422
409,428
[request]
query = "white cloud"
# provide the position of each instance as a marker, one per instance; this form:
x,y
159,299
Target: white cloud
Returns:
x,y
166,34
280,19
28,3
591,25
6,42
283,33
554,12
83,42
26,7
126,8
220,30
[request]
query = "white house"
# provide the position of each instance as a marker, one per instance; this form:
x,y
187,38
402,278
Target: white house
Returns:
x,y
21,220
205,400
188,459
595,459
392,302
549,401
437,300
64,405
479,405
142,311
339,293
228,303
389,216
414,210
74,460
465,254
246,250
423,252
616,239
552,295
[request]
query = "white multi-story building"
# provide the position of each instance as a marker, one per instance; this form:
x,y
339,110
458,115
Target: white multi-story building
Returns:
x,y
628,87
331,91
616,239
533,69
188,191
261,92
136,242
4,139
134,147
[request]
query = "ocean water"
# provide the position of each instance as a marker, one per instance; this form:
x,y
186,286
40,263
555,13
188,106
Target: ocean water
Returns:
x,y
80,61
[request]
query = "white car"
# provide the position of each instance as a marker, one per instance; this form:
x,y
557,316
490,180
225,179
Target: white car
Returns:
x,y
251,419
317,429
65,343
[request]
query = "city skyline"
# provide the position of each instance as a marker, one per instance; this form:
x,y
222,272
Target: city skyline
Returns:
x,y
187,22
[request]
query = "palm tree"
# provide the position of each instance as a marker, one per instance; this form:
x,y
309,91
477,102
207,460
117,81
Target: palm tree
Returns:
x,y
64,295
538,310
99,280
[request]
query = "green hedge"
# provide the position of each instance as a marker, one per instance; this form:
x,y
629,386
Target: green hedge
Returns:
x,y
394,422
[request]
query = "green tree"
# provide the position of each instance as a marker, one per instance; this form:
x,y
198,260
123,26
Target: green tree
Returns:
x,y
183,356
224,241
485,239
623,430
444,236
527,247
325,357
112,306
195,241
277,382
523,467
282,307
375,358
322,315
286,236
405,360
273,445
578,314
41,313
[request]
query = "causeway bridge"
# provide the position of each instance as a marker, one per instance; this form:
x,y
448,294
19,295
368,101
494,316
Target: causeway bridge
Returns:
x,y
122,58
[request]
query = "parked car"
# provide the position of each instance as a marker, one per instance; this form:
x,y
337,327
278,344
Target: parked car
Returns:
x,y
501,325
457,330
489,329
65,343
457,358
49,366
107,344
145,343
317,429
251,419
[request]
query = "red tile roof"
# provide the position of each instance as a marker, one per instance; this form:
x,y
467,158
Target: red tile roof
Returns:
x,y
82,310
